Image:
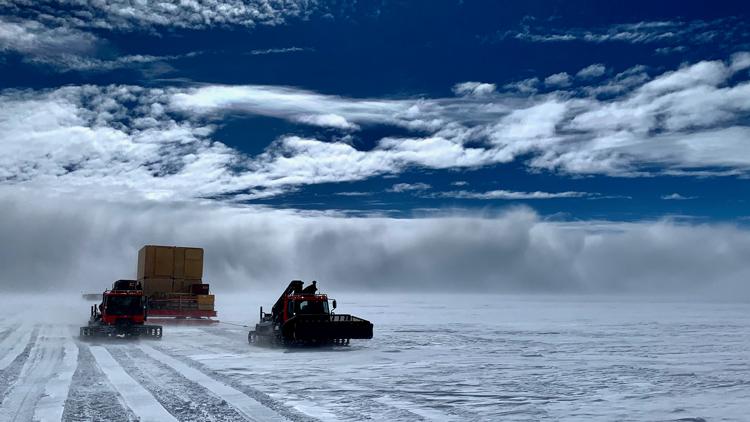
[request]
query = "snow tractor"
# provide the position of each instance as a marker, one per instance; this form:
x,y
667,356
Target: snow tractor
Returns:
x,y
122,313
302,317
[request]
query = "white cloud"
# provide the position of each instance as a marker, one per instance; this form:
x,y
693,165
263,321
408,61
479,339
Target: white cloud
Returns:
x,y
409,187
511,195
592,71
354,193
34,38
262,52
647,32
66,49
526,86
561,80
157,143
143,15
476,89
677,197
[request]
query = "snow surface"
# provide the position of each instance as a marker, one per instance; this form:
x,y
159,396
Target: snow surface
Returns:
x,y
434,357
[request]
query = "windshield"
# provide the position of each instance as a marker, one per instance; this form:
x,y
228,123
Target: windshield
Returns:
x,y
124,305
312,307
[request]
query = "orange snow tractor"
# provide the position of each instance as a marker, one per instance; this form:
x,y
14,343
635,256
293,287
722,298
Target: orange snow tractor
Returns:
x,y
302,316
122,313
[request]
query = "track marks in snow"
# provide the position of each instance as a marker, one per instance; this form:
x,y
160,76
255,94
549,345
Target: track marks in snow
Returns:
x,y
140,401
44,360
10,374
250,408
14,344
184,399
92,397
52,403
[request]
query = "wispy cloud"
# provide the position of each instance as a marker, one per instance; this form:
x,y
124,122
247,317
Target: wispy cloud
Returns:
x,y
262,52
510,195
645,32
353,193
677,197
139,16
409,187
67,49
36,40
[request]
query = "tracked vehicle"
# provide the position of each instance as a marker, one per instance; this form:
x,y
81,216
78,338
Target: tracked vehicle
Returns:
x,y
122,313
303,317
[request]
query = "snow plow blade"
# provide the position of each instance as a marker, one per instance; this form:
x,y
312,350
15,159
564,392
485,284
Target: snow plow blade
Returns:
x,y
140,331
322,328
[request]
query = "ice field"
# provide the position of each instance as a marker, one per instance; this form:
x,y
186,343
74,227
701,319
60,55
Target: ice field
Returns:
x,y
434,357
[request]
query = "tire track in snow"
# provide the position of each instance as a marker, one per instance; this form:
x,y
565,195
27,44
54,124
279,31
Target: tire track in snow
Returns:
x,y
184,350
9,375
14,344
140,401
249,407
183,398
43,360
52,404
92,397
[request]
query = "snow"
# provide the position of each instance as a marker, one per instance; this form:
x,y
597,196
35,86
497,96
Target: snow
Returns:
x,y
143,404
246,405
52,403
434,357
13,345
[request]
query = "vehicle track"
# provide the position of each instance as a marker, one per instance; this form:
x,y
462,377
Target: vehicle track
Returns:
x,y
92,397
183,398
137,398
13,344
10,374
247,406
239,383
51,405
43,361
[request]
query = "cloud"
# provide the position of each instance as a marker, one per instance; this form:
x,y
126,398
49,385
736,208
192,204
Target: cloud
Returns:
x,y
677,197
476,89
561,79
127,15
355,193
34,38
67,49
409,187
460,183
511,195
255,249
526,86
158,143
591,71
262,52
696,32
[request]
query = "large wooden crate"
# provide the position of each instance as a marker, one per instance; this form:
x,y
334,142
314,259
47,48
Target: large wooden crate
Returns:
x,y
176,262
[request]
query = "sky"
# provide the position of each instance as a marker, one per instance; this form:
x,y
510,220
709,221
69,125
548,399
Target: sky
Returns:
x,y
535,146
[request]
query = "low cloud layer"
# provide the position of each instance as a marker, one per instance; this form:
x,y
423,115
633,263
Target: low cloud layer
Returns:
x,y
73,245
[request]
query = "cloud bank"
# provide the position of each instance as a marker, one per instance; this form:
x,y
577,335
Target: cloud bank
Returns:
x,y
84,245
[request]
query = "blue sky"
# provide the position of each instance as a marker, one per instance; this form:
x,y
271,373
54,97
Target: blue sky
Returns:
x,y
556,134
556,105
